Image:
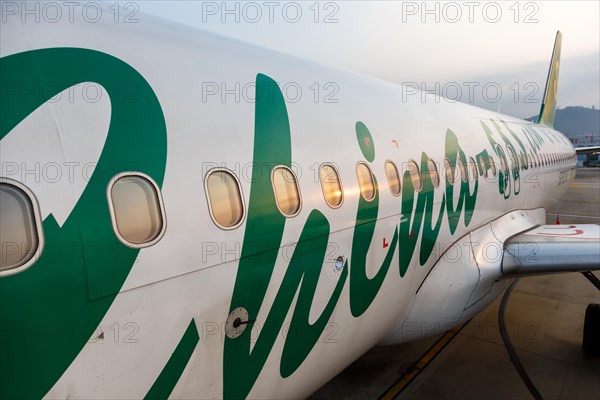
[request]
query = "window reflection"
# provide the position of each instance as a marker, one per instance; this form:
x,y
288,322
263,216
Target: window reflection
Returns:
x,y
433,173
330,184
136,208
225,199
18,233
365,181
393,179
415,175
449,171
286,191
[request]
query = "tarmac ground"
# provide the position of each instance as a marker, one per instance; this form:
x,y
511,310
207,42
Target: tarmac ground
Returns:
x,y
544,318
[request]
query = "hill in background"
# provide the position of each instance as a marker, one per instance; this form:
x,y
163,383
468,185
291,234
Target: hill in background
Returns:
x,y
578,123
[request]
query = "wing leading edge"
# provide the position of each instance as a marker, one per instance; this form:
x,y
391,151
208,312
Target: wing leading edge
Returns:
x,y
552,249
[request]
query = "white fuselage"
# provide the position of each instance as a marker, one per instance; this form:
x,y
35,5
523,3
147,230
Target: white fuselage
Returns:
x,y
206,88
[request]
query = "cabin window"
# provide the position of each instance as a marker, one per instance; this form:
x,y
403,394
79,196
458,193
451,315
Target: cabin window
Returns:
x,y
330,184
493,167
286,191
462,168
503,163
393,178
448,171
522,161
473,168
514,162
415,175
224,199
531,160
483,167
502,157
433,173
365,181
136,210
20,231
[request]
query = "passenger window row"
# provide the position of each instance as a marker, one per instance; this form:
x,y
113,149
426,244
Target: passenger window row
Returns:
x,y
227,209
537,160
138,216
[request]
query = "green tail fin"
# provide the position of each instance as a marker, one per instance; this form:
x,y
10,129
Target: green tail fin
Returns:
x,y
548,110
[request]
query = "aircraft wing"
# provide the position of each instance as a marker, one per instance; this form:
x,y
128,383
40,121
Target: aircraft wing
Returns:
x,y
587,150
551,249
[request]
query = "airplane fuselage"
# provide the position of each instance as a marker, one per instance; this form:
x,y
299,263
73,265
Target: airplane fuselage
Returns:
x,y
315,286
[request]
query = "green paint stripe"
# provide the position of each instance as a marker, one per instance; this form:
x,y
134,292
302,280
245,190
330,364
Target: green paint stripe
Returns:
x,y
164,385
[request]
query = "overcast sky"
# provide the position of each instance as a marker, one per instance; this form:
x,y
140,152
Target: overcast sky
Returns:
x,y
447,47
